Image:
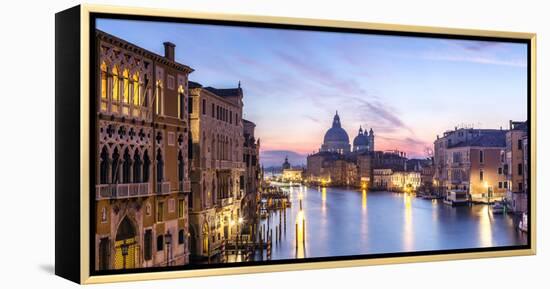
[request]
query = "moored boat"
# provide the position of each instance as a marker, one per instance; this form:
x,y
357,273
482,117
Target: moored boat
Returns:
x,y
456,198
524,223
498,208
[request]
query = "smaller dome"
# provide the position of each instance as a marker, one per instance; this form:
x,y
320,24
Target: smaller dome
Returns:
x,y
361,140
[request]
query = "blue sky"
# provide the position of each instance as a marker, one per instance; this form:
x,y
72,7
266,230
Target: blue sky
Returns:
x,y
408,89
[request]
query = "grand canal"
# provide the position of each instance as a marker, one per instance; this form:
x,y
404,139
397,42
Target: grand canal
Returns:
x,y
341,222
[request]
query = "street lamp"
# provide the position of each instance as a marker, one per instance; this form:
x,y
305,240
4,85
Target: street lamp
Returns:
x,y
124,249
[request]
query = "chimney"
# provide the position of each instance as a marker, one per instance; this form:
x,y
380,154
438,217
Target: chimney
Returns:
x,y
169,50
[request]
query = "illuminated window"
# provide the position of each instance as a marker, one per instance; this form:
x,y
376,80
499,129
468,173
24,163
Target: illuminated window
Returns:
x,y
103,86
126,86
116,89
125,91
159,98
136,93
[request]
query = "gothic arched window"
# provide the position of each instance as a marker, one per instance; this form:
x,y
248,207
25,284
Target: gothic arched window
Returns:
x,y
103,77
137,167
126,168
115,166
160,167
146,165
103,166
116,90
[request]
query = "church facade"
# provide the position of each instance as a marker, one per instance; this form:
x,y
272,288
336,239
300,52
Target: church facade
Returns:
x,y
336,139
340,163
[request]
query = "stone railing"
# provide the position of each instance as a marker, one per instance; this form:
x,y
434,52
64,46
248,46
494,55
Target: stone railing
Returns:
x,y
121,191
163,188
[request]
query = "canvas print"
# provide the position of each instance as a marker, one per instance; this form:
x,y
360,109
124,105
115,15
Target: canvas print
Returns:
x,y
230,145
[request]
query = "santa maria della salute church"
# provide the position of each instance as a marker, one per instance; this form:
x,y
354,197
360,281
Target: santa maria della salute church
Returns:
x,y
337,140
339,163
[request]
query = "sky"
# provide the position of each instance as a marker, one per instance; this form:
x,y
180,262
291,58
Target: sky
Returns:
x,y
407,89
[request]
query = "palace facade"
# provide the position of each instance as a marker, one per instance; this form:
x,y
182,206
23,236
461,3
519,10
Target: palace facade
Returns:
x,y
178,172
516,167
478,161
142,183
253,173
217,169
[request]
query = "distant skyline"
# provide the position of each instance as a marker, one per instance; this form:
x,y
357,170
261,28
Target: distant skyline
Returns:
x,y
408,89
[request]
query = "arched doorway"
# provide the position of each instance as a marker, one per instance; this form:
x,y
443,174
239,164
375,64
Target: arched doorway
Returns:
x,y
126,245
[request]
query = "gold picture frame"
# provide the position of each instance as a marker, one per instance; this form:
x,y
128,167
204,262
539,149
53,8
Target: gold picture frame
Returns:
x,y
76,267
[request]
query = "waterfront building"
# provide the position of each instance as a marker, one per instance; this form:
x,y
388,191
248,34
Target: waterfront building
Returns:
x,y
252,175
217,168
472,160
405,181
286,165
335,164
427,177
142,184
515,168
442,143
382,179
392,159
291,174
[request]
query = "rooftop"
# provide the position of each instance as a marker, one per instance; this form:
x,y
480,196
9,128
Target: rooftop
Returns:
x,y
490,138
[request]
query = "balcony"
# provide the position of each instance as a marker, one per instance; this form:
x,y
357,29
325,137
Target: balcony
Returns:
x,y
224,202
163,188
227,165
122,191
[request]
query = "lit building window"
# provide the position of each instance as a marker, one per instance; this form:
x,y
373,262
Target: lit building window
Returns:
x,y
159,99
136,95
125,91
103,86
116,89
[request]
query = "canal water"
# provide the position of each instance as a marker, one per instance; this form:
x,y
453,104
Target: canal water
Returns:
x,y
341,222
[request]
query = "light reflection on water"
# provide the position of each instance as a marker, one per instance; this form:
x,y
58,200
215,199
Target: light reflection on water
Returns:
x,y
342,222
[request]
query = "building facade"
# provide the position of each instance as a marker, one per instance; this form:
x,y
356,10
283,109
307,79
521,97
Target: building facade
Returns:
x,y
252,176
217,169
473,161
142,184
516,169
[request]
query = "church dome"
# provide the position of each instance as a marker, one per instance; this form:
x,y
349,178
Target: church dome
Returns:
x,y
336,133
361,139
336,138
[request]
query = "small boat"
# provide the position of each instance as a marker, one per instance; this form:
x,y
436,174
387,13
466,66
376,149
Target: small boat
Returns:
x,y
497,208
524,223
429,197
456,198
